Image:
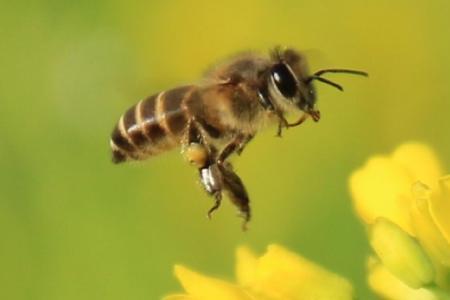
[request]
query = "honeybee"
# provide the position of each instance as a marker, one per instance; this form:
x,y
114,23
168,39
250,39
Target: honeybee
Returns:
x,y
218,117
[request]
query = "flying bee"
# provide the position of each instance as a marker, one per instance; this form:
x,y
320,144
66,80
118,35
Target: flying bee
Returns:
x,y
214,119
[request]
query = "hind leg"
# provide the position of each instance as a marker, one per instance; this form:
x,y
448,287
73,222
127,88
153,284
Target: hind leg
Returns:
x,y
217,175
235,190
202,155
212,181
221,177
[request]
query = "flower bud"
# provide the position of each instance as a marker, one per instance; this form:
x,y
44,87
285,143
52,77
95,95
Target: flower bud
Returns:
x,y
401,254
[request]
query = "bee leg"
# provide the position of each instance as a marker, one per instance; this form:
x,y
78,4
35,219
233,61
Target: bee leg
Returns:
x,y
235,190
211,178
210,175
299,121
230,148
215,174
237,145
194,147
199,153
282,122
279,130
244,143
218,201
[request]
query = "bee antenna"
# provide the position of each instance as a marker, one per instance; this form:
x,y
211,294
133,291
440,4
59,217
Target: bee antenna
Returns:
x,y
315,77
355,72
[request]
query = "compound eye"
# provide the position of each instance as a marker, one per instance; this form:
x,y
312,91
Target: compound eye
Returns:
x,y
284,80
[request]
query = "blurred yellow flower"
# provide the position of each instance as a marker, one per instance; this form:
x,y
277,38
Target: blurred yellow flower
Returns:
x,y
382,188
389,286
277,275
404,199
432,228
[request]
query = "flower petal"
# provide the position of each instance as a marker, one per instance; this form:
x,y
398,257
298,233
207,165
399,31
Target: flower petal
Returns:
x,y
284,275
202,287
440,207
426,230
382,189
401,254
388,286
246,264
420,160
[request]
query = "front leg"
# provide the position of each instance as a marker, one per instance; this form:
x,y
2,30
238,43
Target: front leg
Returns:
x,y
299,121
282,122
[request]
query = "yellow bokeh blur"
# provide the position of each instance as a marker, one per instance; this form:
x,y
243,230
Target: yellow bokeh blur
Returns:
x,y
278,274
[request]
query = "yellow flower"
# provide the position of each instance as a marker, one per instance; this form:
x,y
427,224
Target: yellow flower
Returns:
x,y
408,189
277,275
382,188
405,201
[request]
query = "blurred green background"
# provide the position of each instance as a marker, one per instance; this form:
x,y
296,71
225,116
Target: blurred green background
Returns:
x,y
75,226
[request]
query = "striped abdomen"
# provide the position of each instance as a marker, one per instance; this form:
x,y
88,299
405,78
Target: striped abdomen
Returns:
x,y
154,125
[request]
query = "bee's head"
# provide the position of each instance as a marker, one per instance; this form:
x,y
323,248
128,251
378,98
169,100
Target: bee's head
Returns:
x,y
291,85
